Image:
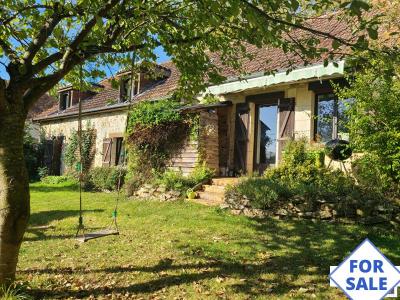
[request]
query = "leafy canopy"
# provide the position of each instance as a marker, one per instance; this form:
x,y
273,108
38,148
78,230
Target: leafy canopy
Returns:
x,y
374,122
43,42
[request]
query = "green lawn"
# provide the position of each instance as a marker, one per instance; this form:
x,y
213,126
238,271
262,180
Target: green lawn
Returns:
x,y
181,251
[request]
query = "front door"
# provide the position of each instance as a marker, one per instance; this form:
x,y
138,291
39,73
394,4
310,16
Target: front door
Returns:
x,y
274,127
266,136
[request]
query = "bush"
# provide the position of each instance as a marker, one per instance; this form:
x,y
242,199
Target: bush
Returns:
x,y
42,172
300,181
174,180
57,179
201,173
107,178
261,192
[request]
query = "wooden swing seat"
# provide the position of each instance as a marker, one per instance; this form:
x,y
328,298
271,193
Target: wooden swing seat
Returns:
x,y
96,234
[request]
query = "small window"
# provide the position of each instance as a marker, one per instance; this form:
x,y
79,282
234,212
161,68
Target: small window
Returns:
x,y
126,88
330,118
120,151
64,101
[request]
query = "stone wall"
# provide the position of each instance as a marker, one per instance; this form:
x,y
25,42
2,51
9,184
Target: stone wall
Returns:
x,y
106,125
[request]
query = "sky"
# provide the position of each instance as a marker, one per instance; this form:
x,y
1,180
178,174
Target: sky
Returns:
x,y
162,57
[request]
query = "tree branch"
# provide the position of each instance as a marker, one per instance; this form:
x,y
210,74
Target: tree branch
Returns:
x,y
297,26
43,35
12,17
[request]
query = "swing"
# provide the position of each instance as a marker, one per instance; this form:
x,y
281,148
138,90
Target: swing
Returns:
x,y
112,229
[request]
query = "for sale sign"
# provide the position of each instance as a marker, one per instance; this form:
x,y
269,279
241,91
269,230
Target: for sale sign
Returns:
x,y
366,274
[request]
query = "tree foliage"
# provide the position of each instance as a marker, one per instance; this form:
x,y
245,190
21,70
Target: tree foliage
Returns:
x,y
43,42
374,121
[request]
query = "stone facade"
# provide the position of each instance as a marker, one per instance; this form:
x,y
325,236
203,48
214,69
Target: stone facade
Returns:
x,y
106,125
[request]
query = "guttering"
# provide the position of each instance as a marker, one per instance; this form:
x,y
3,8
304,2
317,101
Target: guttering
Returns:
x,y
93,111
258,81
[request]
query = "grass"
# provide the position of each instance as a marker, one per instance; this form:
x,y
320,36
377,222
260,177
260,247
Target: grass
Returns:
x,y
180,251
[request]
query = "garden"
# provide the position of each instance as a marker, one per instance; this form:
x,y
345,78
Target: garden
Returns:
x,y
167,249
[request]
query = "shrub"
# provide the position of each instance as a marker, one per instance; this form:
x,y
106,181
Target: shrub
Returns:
x,y
261,192
201,173
42,172
57,179
174,180
300,181
107,178
133,184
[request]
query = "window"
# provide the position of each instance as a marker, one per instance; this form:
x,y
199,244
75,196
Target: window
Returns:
x,y
114,153
125,91
64,101
330,118
120,151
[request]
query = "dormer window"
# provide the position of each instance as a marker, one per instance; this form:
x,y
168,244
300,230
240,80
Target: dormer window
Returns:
x,y
126,89
64,101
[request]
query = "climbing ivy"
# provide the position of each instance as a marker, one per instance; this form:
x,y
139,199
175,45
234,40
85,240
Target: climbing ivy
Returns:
x,y
71,154
155,132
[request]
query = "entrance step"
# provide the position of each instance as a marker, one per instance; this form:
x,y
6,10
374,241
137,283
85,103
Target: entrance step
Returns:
x,y
224,181
213,194
210,196
214,188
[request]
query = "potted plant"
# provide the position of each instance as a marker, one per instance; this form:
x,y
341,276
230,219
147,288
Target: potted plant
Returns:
x,y
190,194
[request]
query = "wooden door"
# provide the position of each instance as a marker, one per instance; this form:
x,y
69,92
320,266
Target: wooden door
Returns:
x,y
286,123
241,136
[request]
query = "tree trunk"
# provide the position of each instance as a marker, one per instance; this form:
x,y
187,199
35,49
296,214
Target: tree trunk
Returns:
x,y
14,190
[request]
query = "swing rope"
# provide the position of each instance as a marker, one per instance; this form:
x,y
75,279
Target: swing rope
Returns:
x,y
112,229
81,234
81,227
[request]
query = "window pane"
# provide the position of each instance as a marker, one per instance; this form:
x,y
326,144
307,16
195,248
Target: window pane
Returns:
x,y
343,132
325,112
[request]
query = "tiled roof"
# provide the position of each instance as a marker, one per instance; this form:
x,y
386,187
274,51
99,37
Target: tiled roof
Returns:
x,y
263,60
44,103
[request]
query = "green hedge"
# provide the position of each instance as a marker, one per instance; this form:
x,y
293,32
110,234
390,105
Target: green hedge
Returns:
x,y
106,178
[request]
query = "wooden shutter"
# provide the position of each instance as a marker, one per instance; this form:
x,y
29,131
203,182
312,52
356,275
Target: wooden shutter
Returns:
x,y
286,122
241,136
107,150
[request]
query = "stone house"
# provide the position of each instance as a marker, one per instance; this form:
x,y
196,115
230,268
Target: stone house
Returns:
x,y
246,130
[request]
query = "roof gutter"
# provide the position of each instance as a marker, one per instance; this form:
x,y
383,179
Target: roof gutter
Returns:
x,y
316,71
84,113
94,111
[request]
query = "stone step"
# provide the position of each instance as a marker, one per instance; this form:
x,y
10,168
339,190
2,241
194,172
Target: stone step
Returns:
x,y
214,188
225,181
217,197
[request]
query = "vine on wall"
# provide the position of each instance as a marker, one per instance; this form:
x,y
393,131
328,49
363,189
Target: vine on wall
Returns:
x,y
71,154
157,131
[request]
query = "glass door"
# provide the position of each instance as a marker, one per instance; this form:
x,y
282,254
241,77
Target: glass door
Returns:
x,y
266,135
